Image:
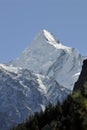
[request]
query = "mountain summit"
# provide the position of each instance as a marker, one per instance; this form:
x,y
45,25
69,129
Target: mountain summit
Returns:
x,y
47,36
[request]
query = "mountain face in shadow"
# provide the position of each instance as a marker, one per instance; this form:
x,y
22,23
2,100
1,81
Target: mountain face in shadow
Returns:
x,y
82,78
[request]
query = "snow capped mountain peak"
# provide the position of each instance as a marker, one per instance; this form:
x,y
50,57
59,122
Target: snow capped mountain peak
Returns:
x,y
45,72
46,56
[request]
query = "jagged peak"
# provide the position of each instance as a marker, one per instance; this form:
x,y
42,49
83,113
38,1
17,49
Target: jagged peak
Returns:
x,y
46,36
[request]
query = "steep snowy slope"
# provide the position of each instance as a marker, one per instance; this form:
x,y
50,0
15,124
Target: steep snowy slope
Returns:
x,y
48,56
22,93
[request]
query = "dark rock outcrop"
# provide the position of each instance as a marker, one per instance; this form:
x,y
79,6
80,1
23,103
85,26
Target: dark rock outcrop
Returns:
x,y
79,85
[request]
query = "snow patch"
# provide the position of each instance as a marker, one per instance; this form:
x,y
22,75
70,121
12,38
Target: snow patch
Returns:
x,y
42,87
9,68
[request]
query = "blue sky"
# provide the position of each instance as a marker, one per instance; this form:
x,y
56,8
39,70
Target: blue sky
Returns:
x,y
21,20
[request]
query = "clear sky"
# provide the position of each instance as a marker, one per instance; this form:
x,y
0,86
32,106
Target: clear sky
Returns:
x,y
21,20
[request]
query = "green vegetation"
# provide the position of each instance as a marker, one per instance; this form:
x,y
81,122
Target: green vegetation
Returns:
x,y
71,115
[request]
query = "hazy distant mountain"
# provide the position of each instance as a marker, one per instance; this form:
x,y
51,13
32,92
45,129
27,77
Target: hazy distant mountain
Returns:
x,y
45,72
